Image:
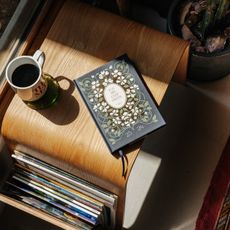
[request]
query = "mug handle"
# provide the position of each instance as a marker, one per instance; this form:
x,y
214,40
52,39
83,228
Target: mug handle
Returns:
x,y
39,56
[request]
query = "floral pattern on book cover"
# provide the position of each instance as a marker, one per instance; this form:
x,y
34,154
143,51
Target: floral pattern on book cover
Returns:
x,y
119,104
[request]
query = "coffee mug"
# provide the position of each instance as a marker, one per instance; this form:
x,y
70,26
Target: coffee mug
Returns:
x,y
25,75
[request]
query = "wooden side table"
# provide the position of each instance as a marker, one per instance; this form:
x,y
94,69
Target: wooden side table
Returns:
x,y
81,39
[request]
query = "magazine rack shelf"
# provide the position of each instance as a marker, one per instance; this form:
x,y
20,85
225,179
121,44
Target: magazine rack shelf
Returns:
x,y
81,39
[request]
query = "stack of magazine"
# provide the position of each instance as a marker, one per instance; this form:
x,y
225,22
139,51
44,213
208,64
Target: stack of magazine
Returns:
x,y
60,194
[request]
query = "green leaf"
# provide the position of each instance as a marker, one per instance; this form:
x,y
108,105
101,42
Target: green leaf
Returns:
x,y
221,10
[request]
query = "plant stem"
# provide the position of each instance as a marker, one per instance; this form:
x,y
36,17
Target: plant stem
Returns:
x,y
221,10
208,17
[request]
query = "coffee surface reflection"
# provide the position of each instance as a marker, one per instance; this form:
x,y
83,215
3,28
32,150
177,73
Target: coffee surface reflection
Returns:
x,y
25,75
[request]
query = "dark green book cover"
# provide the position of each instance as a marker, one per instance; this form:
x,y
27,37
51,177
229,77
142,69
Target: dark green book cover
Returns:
x,y
119,103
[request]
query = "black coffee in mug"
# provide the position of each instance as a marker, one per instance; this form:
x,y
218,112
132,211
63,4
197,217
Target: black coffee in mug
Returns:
x,y
37,89
25,75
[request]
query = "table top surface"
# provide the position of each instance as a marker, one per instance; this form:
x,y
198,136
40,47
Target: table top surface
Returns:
x,y
75,45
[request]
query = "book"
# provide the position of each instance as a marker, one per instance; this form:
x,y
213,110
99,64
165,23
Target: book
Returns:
x,y
65,178
59,195
80,195
48,208
33,193
77,197
120,103
57,201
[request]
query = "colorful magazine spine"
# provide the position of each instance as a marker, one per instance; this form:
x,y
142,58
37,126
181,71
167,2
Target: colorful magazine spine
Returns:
x,y
63,192
61,197
41,196
78,197
62,203
73,193
58,213
81,184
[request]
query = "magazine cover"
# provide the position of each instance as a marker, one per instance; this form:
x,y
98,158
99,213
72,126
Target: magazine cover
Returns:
x,y
64,178
66,191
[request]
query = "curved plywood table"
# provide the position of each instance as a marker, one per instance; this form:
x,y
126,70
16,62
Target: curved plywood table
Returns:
x,y
81,39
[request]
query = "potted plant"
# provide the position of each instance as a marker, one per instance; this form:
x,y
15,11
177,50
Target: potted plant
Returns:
x,y
206,25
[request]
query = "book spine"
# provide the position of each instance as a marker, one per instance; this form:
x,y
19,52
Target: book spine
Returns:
x,y
58,213
62,190
109,199
74,193
60,196
61,205
92,200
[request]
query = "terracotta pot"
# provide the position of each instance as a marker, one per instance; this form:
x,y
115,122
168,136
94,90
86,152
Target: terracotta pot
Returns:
x,y
202,66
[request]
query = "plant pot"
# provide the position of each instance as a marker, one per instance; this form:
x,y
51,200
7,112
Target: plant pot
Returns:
x,y
202,66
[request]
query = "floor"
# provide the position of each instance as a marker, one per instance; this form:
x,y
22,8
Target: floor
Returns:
x,y
187,150
198,125
184,156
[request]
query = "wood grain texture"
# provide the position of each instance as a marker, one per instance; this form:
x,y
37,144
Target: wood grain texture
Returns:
x,y
28,46
81,39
